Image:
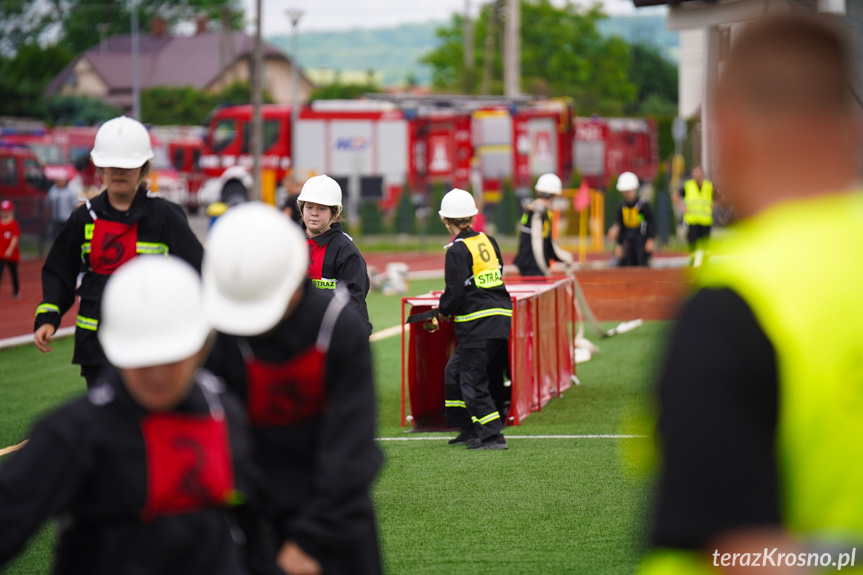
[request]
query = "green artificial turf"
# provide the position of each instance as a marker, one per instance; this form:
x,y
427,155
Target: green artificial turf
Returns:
x,y
544,506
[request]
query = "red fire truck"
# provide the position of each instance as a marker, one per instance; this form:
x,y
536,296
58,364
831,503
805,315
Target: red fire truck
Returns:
x,y
375,147
55,161
605,147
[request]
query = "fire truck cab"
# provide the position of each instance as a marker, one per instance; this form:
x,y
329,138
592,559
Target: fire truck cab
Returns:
x,y
23,181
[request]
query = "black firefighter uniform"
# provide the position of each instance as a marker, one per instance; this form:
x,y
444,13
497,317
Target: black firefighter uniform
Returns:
x,y
95,241
481,309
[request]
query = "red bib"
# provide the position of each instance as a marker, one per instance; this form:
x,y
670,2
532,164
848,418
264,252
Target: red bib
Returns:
x,y
316,260
188,464
286,393
113,244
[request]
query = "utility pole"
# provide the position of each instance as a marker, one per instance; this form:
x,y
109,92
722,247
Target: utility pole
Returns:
x,y
467,32
103,34
257,121
136,80
488,53
224,37
512,49
294,16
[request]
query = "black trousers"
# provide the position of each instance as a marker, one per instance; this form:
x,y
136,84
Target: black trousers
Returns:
x,y
634,250
93,373
13,270
468,401
697,234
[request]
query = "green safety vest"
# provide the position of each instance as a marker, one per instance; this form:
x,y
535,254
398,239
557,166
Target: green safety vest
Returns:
x,y
699,203
797,268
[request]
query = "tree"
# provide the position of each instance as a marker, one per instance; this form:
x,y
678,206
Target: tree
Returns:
x,y
339,91
508,210
22,21
656,79
78,111
406,216
563,54
166,106
23,78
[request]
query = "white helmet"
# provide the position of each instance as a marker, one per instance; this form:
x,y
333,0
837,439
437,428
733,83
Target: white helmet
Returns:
x,y
549,184
254,262
321,190
122,143
627,182
152,313
458,204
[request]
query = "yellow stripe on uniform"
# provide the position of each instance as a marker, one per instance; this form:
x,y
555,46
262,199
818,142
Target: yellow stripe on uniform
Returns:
x,y
152,248
483,313
488,418
47,308
454,403
87,323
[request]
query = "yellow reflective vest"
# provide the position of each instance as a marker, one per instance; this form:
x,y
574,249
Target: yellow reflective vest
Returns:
x,y
798,268
699,203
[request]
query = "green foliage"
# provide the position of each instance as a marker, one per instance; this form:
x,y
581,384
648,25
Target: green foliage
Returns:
x,y
406,216
660,189
656,78
508,210
613,199
24,76
164,105
78,111
435,225
339,91
666,141
371,220
575,178
74,22
563,54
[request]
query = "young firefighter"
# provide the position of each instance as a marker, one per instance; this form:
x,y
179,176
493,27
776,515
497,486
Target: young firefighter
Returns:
x,y
334,260
482,310
141,473
10,236
300,359
112,228
536,247
633,228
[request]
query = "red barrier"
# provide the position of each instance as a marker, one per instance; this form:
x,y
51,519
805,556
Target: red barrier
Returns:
x,y
543,327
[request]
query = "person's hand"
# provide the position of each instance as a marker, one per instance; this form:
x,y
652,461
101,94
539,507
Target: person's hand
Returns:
x,y
43,336
648,245
294,561
8,253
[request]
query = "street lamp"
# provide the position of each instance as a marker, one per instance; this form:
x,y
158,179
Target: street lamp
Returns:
x,y
294,15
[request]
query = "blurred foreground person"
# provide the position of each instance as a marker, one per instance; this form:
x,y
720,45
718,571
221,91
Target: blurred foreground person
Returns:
x,y
300,359
634,227
761,395
143,471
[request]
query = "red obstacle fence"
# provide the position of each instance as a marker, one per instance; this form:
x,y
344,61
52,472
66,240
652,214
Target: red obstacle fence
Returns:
x,y
540,346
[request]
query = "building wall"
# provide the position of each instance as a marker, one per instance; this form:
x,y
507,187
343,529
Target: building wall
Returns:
x,y
277,80
691,71
86,82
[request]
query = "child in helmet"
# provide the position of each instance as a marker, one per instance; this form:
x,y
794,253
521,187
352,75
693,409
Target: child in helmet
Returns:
x,y
536,247
300,359
482,311
10,236
119,224
633,229
334,260
143,472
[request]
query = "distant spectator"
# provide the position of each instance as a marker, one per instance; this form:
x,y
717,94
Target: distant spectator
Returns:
x,y
62,199
10,235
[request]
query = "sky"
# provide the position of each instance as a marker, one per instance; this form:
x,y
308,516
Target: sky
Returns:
x,y
346,14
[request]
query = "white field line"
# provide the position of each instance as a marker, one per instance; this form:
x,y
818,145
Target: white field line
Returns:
x,y
25,339
385,333
587,436
12,448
